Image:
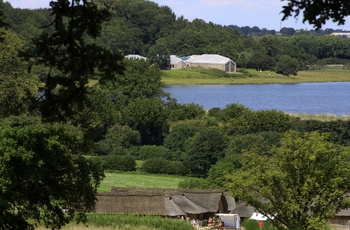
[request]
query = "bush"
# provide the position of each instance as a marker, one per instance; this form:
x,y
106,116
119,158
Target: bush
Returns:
x,y
153,165
194,183
185,111
118,163
163,166
153,151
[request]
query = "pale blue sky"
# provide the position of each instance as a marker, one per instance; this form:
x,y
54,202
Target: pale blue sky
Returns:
x,y
261,13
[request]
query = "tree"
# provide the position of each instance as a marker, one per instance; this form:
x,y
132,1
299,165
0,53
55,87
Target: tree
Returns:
x,y
75,60
44,177
149,117
185,111
318,12
139,79
123,136
176,140
301,184
207,148
287,65
18,89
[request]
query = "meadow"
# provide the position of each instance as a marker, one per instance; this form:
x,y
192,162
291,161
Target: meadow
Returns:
x,y
138,180
251,76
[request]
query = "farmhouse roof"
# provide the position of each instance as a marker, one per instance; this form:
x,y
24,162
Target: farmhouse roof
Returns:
x,y
243,210
208,59
175,59
169,202
344,212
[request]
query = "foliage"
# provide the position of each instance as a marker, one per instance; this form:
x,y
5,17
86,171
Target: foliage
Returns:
x,y
125,163
43,176
18,89
185,111
156,32
194,183
163,166
318,12
301,183
153,151
122,136
67,50
260,121
234,152
149,117
206,149
176,140
231,112
139,80
287,65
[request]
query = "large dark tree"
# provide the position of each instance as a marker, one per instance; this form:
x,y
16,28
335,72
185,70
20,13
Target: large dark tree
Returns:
x,y
75,60
43,175
318,12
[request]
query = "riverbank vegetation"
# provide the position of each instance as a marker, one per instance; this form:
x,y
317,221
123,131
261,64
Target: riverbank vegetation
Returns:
x,y
195,76
60,134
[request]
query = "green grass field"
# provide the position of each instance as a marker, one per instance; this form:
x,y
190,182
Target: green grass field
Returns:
x,y
192,77
137,180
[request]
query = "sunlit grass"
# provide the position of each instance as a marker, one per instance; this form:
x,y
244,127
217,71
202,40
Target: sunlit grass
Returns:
x,y
138,180
181,77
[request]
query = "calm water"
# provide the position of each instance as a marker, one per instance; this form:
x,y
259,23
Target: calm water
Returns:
x,y
312,98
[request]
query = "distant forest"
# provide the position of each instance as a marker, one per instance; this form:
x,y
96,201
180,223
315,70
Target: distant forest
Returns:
x,y
145,28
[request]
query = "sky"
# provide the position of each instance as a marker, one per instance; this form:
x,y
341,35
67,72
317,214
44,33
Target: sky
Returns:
x,y
261,13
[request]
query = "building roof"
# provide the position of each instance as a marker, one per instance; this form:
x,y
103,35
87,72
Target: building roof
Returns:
x,y
175,59
167,202
344,212
208,59
135,56
243,210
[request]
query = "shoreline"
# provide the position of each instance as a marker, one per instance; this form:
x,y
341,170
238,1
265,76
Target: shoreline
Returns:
x,y
170,77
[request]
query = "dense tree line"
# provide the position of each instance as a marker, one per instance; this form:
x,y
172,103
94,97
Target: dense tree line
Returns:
x,y
143,27
66,92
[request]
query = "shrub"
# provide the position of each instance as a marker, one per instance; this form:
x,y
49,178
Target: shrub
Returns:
x,y
153,165
118,163
194,183
153,151
163,166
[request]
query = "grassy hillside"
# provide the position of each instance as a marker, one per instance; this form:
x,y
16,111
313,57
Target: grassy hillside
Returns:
x,y
137,180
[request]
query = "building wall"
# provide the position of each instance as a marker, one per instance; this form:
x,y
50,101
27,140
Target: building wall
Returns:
x,y
341,221
229,67
177,66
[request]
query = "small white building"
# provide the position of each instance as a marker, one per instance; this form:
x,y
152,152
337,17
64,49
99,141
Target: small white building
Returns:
x,y
344,34
176,62
208,61
135,57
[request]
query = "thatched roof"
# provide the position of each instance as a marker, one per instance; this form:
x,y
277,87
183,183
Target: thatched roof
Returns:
x,y
169,202
344,212
243,210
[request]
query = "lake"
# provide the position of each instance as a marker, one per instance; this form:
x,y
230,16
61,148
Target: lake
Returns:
x,y
310,98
